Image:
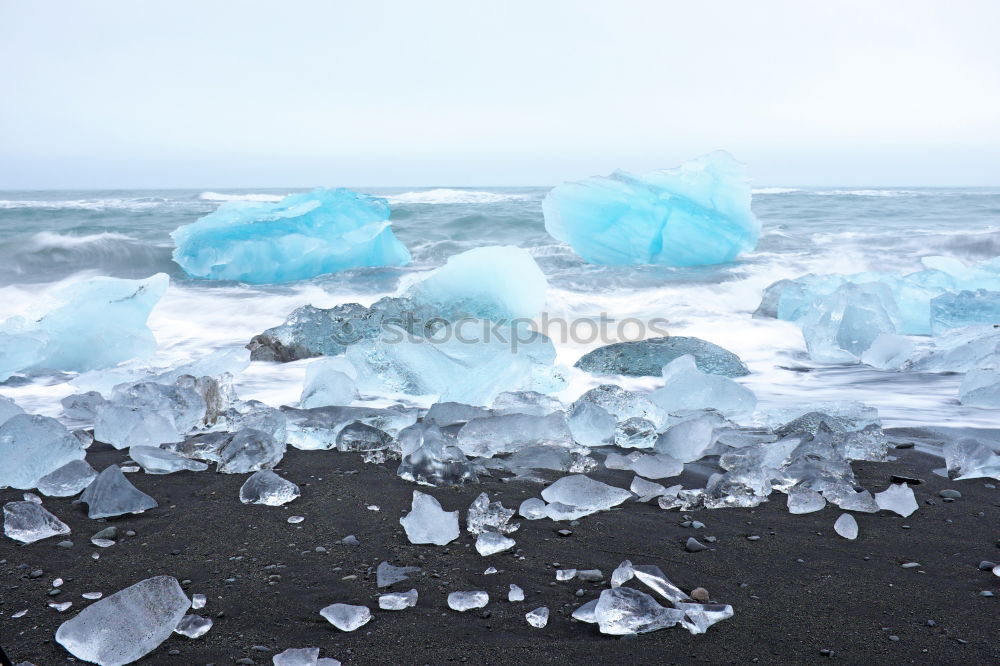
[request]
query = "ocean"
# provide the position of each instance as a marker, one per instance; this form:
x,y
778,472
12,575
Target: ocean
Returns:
x,y
51,237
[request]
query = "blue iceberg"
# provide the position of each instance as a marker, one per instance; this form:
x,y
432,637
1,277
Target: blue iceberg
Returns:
x,y
299,237
693,215
96,323
964,309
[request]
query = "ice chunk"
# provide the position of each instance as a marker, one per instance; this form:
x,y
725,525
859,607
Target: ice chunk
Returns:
x,y
155,460
193,626
693,215
387,574
266,487
538,618
689,439
590,424
8,408
149,414
427,522
888,352
318,428
327,384
623,610
375,444
499,283
429,458
347,617
804,500
849,500
898,498
565,574
397,600
507,433
127,625
689,388
968,458
96,323
463,601
846,526
636,433
445,414
526,402
296,657
299,237
28,522
842,326
960,350
654,578
471,363
646,490
532,508
699,617
584,493
980,388
250,450
646,358
68,480
965,308
491,543
587,612
622,404
651,467
111,494
33,446
81,406
484,515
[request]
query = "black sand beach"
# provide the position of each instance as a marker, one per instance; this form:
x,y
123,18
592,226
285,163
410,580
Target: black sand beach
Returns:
x,y
798,591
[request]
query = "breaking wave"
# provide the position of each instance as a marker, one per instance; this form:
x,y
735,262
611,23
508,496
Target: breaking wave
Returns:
x,y
219,196
450,196
775,190
144,203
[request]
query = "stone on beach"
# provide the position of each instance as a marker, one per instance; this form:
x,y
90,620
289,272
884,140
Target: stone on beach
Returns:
x,y
428,523
29,522
266,487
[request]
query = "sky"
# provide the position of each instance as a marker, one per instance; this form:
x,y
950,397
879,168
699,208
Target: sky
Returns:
x,y
126,94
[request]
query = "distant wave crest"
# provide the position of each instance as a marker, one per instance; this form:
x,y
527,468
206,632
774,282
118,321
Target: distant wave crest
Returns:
x,y
84,204
775,190
219,196
48,239
450,196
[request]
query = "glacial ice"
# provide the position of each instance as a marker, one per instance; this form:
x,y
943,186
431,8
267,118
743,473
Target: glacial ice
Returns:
x,y
624,610
688,440
68,480
980,388
538,618
635,433
584,494
127,625
94,324
888,352
32,447
375,445
193,626
688,388
347,617
968,458
327,384
622,404
28,522
266,487
898,498
445,414
960,350
398,600
532,509
429,458
804,500
8,408
427,522
320,427
149,414
699,617
515,593
387,574
491,543
646,358
250,450
846,526
495,435
590,424
646,490
463,601
155,460
965,308
484,515
653,577
696,214
299,237
111,494
296,657
497,283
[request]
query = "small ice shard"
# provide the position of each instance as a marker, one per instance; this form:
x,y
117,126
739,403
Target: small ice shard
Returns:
x,y
489,571
688,440
624,610
327,384
387,574
427,522
558,511
92,595
689,388
507,433
61,608
96,323
126,625
484,515
646,358
198,601
587,612
590,575
499,283
565,574
193,626
861,501
646,490
29,522
622,404
650,575
590,424
898,498
32,447
155,460
111,494
980,388
149,414
296,657
699,617
266,487
32,497
68,480
295,520
347,617
320,427
299,237
532,508
578,490
538,618
515,593
888,352
804,500
463,601
635,433
846,526
397,600
250,450
693,215
101,542
491,543
20,613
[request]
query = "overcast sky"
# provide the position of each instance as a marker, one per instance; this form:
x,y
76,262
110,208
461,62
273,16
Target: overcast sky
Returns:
x,y
231,94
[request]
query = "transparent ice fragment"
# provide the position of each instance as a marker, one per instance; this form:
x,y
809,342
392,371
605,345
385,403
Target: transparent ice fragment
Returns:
x,y
515,593
699,617
250,450
198,601
688,440
646,490
155,460
387,574
688,388
68,480
656,580
491,543
484,515
587,612
33,446
427,522
635,433
266,487
111,494
804,500
532,508
586,494
623,404
623,610
888,352
538,618
507,433
193,626
347,617
463,601
565,574
898,498
29,522
590,424
327,384
296,657
397,600
846,526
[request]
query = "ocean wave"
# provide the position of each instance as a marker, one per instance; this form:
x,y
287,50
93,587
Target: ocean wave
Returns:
x,y
219,196
49,239
775,190
867,193
144,203
450,196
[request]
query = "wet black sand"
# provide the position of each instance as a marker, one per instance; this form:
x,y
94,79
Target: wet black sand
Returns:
x,y
796,591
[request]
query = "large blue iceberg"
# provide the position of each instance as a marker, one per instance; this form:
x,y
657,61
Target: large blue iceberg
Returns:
x,y
693,215
96,323
299,237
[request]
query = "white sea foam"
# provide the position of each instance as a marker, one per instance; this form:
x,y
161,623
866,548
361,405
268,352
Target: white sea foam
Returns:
x,y
450,196
775,190
252,196
48,239
84,204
